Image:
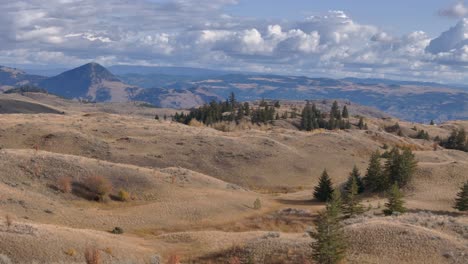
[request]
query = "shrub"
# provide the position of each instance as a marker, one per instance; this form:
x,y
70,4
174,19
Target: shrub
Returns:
x,y
117,230
123,195
174,259
8,220
92,256
5,259
64,184
257,204
99,186
70,252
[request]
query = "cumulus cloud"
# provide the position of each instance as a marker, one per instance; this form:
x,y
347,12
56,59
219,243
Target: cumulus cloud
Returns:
x,y
457,10
199,33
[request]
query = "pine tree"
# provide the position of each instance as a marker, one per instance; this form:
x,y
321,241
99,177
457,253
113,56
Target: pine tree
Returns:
x,y
375,180
355,175
306,118
461,202
395,202
361,123
323,191
400,167
351,206
335,111
232,101
247,109
345,113
330,242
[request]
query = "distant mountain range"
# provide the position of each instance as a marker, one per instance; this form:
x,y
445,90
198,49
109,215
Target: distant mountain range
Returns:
x,y
188,87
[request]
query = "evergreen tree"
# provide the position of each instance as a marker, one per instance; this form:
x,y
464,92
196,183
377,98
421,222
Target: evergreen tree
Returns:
x,y
307,118
461,202
352,206
329,246
156,117
432,123
345,113
323,191
247,109
361,123
277,104
335,111
400,167
165,117
355,175
232,101
375,180
395,202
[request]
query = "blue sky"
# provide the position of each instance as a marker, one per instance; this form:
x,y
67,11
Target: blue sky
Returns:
x,y
412,39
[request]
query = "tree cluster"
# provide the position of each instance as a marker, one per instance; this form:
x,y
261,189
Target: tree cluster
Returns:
x,y
399,167
229,110
312,118
457,140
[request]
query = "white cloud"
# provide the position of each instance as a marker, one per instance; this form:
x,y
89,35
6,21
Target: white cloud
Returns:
x,y
457,10
199,33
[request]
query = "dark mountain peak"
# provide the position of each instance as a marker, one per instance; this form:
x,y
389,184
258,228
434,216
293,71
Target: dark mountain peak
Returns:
x,y
94,71
76,83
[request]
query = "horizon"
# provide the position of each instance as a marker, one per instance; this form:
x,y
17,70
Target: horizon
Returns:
x,y
334,39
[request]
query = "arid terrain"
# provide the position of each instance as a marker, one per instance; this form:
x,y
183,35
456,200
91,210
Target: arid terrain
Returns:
x,y
192,188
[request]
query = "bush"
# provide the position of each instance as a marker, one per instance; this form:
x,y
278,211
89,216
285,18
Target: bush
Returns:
x,y
64,184
98,186
117,230
257,204
123,195
8,220
92,256
5,259
70,252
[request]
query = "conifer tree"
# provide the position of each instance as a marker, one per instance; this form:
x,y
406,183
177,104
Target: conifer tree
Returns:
x,y
355,175
400,167
375,180
335,111
330,242
323,191
432,122
345,113
352,206
395,202
247,109
461,202
361,123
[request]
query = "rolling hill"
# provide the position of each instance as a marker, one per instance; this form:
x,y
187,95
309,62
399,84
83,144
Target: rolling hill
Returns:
x,y
10,77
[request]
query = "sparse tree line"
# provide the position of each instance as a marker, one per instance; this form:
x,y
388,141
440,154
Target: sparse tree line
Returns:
x,y
312,118
230,110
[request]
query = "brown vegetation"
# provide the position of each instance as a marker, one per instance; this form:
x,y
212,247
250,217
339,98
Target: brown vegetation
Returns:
x,y
99,186
92,255
64,184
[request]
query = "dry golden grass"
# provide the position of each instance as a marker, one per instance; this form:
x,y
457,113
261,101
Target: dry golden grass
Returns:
x,y
186,189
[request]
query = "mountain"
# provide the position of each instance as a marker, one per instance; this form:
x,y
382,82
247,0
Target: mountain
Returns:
x,y
91,81
177,71
10,77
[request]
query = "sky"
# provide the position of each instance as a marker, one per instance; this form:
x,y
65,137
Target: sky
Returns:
x,y
410,39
